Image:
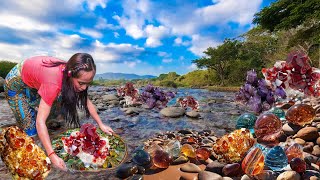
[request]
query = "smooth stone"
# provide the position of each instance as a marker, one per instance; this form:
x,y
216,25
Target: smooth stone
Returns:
x,y
245,177
311,175
193,114
215,167
191,168
227,178
299,141
180,160
206,175
314,167
318,141
231,170
307,134
290,129
184,132
316,150
309,158
136,177
289,175
172,112
126,170
110,97
266,174
186,177
308,147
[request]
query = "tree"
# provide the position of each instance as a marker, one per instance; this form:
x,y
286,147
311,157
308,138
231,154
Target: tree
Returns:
x,y
219,58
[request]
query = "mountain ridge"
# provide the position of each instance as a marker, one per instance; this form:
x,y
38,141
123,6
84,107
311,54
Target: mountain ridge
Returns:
x,y
117,76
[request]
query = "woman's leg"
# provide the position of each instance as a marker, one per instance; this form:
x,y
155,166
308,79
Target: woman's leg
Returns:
x,y
21,101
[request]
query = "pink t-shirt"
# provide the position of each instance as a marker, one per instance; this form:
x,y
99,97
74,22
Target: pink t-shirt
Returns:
x,y
47,80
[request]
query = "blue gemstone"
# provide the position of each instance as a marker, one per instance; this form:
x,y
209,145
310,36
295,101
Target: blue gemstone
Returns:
x,y
276,159
246,120
278,112
263,148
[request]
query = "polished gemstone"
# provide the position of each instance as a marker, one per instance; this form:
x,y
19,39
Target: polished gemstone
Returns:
x,y
276,159
253,163
301,114
246,120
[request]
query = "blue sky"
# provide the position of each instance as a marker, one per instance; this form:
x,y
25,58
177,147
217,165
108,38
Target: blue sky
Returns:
x,y
128,36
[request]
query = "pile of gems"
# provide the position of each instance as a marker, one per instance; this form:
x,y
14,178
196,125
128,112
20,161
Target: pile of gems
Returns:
x,y
274,145
279,140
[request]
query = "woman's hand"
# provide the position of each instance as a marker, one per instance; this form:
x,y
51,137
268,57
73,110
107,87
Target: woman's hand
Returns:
x,y
58,162
106,129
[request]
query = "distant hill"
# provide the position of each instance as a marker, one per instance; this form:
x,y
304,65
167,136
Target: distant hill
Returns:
x,y
117,76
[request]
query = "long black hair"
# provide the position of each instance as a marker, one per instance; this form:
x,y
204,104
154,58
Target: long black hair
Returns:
x,y
71,100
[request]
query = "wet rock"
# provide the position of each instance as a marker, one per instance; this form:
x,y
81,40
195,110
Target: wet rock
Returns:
x,y
307,134
180,160
191,168
172,112
290,129
193,114
206,175
136,177
126,170
231,170
215,167
110,97
316,150
311,175
289,175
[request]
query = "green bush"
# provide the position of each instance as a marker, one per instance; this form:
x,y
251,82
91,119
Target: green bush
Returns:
x,y
5,67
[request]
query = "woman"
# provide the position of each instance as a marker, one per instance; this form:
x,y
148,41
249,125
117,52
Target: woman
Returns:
x,y
33,86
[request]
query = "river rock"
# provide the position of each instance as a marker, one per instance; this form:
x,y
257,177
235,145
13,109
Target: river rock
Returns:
x,y
289,175
110,97
206,175
191,168
172,112
307,134
316,150
215,167
193,114
290,129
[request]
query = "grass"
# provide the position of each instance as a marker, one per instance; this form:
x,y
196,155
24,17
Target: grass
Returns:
x,y
223,88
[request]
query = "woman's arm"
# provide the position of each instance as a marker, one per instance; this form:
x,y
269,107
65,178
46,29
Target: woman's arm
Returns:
x,y
43,113
96,117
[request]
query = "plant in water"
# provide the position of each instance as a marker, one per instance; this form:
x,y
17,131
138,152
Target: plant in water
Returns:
x,y
155,97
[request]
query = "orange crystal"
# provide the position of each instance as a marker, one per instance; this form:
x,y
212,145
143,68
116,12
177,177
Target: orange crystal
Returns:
x,y
188,150
294,151
233,147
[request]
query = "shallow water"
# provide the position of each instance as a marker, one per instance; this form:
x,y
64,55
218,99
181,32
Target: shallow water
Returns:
x,y
217,109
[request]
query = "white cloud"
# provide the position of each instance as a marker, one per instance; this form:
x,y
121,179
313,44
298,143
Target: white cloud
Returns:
x,y
130,64
92,4
154,35
91,32
163,54
103,24
69,41
192,67
201,43
178,41
167,60
23,23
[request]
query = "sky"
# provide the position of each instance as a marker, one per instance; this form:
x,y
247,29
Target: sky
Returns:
x,y
144,37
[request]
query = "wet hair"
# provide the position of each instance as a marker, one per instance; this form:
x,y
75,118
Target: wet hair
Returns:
x,y
71,100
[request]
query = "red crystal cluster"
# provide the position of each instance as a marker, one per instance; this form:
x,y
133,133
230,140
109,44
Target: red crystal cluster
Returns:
x,y
128,90
189,101
88,141
296,73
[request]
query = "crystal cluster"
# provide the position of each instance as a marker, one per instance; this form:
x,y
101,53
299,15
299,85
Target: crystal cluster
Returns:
x,y
301,114
129,92
233,147
155,97
296,73
189,101
257,94
267,129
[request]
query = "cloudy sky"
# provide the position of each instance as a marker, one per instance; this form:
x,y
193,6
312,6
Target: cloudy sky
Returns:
x,y
128,36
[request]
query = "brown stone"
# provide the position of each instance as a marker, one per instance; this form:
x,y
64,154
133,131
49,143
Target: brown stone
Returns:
x,y
206,175
308,134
